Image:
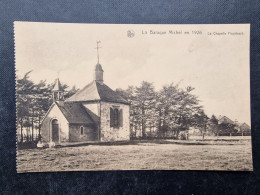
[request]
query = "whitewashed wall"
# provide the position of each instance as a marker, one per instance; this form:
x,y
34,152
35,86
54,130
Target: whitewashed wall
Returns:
x,y
55,113
94,107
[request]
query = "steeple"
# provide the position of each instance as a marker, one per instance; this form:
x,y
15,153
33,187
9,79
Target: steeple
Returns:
x,y
98,72
57,91
98,51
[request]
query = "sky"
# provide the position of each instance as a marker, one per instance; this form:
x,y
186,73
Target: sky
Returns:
x,y
214,59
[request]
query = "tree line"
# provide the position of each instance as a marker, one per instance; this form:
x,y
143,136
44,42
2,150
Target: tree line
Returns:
x,y
165,112
170,112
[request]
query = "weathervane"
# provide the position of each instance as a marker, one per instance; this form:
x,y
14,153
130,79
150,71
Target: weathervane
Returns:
x,y
97,50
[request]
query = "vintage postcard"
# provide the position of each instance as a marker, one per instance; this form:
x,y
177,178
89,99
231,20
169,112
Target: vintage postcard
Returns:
x,y
132,97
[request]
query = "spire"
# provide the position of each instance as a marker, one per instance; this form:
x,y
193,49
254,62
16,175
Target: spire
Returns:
x,y
57,91
57,86
98,51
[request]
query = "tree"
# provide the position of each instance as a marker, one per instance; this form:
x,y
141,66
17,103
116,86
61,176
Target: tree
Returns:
x,y
143,105
178,109
213,125
129,95
23,89
70,92
227,128
200,121
188,107
166,107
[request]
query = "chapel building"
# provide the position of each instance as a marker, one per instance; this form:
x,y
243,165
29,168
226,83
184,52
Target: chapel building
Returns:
x,y
94,113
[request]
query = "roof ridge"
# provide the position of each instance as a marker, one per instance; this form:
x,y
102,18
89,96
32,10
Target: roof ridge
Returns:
x,y
52,105
96,91
71,99
59,106
95,82
117,96
85,109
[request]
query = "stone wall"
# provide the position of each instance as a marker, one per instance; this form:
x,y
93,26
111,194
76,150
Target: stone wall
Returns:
x,y
108,133
55,113
89,133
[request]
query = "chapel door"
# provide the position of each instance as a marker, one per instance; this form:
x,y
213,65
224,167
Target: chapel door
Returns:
x,y
55,131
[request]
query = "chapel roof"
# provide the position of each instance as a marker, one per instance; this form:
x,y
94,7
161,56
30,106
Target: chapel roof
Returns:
x,y
76,113
96,91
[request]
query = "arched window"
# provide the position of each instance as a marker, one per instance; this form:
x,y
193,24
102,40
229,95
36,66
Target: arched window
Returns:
x,y
111,117
116,117
81,130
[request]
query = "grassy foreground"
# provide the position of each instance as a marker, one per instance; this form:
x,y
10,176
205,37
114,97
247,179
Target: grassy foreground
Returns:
x,y
141,155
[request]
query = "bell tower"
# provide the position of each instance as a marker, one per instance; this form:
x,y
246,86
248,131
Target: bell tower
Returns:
x,y
57,92
98,74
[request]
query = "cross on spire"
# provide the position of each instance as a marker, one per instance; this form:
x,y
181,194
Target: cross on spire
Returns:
x,y
97,50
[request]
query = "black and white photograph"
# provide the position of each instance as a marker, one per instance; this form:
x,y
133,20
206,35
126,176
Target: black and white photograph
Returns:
x,y
96,97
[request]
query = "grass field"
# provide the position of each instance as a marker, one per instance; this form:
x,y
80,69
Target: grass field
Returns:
x,y
210,154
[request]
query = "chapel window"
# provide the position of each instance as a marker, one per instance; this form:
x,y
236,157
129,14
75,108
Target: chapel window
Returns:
x,y
81,130
116,117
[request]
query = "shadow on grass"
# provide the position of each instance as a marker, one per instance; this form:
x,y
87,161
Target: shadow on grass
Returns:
x,y
141,142
26,145
137,142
